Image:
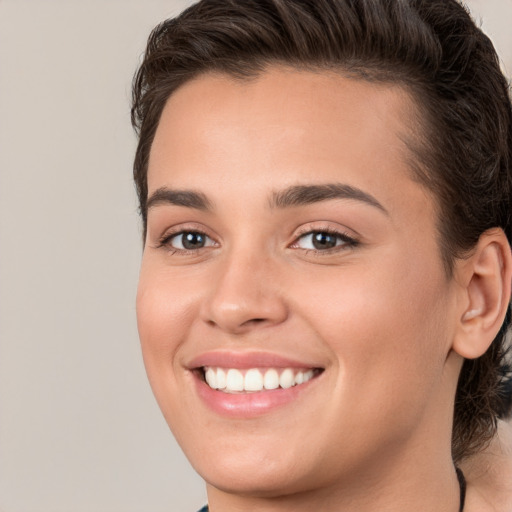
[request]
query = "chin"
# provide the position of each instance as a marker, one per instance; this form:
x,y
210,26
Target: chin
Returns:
x,y
253,479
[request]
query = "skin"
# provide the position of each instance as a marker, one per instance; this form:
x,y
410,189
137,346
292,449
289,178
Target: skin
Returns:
x,y
489,473
380,316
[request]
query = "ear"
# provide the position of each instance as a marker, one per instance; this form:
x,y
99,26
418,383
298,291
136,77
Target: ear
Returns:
x,y
486,277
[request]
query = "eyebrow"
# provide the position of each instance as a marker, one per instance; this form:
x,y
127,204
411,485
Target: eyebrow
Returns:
x,y
299,195
186,198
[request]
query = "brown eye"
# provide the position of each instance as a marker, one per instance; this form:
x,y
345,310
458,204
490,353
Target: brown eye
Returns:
x,y
324,240
190,240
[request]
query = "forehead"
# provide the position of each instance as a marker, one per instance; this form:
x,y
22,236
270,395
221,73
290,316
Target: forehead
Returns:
x,y
283,127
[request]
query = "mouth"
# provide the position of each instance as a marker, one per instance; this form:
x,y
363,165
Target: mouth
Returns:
x,y
243,385
255,380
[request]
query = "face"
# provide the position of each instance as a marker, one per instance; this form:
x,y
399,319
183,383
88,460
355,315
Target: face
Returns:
x,y
292,262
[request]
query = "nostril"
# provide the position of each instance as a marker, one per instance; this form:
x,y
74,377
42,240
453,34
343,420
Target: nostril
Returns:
x,y
254,321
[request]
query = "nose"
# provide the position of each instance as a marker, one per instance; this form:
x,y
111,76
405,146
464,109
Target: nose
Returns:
x,y
245,294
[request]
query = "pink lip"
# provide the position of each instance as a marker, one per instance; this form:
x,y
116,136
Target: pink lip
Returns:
x,y
248,405
245,360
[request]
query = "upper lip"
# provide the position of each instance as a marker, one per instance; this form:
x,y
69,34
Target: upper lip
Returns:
x,y
246,360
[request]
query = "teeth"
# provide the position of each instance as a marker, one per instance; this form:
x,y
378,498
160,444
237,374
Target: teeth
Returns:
x,y
253,381
221,378
271,379
287,379
211,378
232,380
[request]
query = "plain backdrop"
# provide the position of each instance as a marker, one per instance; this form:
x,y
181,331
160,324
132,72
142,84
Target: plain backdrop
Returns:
x,y
79,428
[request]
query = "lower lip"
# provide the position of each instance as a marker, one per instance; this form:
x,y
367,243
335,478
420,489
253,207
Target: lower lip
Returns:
x,y
247,405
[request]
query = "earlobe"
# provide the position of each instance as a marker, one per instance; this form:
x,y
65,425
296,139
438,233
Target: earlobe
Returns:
x,y
488,276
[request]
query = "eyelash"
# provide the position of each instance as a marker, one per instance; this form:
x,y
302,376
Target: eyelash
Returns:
x,y
347,241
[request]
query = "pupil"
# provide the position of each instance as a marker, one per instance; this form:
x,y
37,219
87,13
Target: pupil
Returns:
x,y
193,241
324,241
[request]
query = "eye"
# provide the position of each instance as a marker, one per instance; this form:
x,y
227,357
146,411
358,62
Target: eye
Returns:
x,y
188,241
323,241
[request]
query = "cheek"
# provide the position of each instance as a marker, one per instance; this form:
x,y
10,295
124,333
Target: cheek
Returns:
x,y
386,324
164,308
164,316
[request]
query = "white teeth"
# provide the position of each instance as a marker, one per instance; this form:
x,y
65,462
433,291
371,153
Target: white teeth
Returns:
x,y
211,378
271,379
253,381
287,379
232,380
221,378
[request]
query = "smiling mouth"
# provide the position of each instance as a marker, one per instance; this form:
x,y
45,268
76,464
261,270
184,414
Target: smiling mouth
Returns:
x,y
253,380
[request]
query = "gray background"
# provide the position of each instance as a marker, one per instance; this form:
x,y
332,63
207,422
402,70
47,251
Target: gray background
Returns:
x,y
79,428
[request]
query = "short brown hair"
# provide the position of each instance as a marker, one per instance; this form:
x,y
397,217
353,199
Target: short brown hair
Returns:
x,y
435,50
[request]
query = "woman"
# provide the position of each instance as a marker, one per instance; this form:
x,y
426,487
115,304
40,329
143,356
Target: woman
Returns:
x,y
326,191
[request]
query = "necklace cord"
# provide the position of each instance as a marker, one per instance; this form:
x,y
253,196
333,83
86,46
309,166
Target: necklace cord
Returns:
x,y
462,485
